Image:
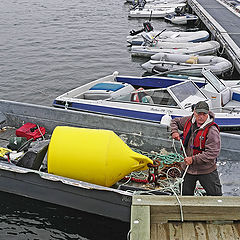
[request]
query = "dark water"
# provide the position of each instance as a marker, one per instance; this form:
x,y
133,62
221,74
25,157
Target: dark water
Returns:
x,y
46,49
24,219
50,47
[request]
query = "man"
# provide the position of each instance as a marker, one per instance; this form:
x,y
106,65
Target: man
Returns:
x,y
201,139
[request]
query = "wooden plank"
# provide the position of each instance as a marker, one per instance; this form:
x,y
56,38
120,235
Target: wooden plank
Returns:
x,y
201,231
159,231
186,200
195,231
188,230
140,223
213,231
154,231
193,208
163,212
159,214
175,231
236,230
222,231
226,232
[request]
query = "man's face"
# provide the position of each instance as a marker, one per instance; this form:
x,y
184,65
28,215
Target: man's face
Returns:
x,y
200,117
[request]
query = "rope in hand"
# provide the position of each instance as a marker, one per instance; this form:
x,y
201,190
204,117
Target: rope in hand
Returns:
x,y
185,155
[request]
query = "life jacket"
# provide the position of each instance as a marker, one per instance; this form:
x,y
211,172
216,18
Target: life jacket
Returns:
x,y
200,138
137,96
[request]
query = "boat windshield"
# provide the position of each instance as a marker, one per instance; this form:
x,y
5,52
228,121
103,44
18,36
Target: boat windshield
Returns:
x,y
214,80
187,93
151,96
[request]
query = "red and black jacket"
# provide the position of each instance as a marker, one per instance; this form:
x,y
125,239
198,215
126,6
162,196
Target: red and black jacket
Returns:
x,y
200,138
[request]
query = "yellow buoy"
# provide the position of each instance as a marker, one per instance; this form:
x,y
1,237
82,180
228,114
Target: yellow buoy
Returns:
x,y
90,155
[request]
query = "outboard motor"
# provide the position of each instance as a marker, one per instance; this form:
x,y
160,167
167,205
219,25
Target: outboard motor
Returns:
x,y
133,32
147,27
178,11
141,4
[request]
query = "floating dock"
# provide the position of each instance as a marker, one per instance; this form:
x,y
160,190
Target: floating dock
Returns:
x,y
185,218
223,23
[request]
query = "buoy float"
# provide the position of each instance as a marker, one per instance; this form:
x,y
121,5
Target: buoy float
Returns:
x,y
90,155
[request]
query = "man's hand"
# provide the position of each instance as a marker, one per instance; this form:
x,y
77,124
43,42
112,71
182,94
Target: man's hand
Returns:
x,y
188,160
176,136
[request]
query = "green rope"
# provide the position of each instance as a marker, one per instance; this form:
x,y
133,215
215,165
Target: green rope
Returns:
x,y
166,159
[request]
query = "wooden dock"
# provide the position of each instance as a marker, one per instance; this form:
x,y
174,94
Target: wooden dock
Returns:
x,y
223,23
185,218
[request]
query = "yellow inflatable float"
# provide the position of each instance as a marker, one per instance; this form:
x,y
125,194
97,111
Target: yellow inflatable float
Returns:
x,y
90,155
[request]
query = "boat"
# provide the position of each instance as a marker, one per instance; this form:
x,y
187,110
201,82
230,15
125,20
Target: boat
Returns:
x,y
169,79
180,16
164,1
202,48
155,13
109,97
181,19
156,5
169,36
114,203
187,64
28,176
136,2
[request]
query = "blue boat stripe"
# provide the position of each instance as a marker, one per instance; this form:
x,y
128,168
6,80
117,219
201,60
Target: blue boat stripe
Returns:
x,y
134,114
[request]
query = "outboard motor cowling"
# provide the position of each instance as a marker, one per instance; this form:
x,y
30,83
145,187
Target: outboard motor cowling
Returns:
x,y
147,26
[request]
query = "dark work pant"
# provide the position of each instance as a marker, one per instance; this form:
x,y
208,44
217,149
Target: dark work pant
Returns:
x,y
210,182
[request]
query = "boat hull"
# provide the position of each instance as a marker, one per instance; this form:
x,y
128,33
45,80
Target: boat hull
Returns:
x,y
162,62
171,36
152,116
146,13
107,202
65,192
182,19
205,48
147,135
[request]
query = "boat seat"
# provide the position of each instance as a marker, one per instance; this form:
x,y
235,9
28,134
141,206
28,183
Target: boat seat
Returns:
x,y
147,99
96,94
107,86
104,90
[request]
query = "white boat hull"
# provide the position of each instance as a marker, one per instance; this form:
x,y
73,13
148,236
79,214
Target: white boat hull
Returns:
x,y
182,19
203,48
145,13
171,36
161,102
180,63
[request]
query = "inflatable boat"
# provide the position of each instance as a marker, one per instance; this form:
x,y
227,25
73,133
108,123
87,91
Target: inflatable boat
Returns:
x,y
155,13
170,36
202,48
184,18
187,64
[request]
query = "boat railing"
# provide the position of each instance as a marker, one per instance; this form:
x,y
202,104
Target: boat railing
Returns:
x,y
226,109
